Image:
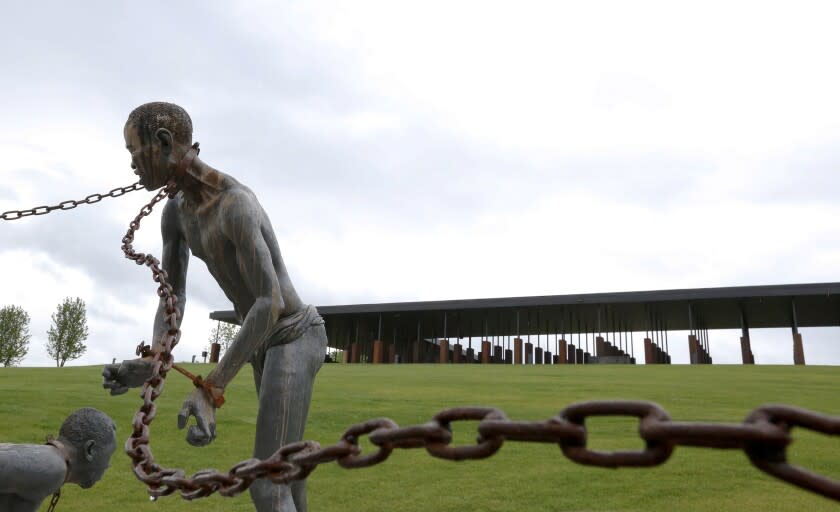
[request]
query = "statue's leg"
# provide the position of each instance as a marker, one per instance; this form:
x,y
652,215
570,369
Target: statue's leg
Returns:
x,y
285,390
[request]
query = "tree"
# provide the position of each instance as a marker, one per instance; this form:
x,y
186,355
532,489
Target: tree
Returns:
x,y
68,332
14,335
223,334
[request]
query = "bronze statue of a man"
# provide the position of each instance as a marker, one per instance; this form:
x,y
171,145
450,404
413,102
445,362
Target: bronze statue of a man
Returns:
x,y
221,222
80,455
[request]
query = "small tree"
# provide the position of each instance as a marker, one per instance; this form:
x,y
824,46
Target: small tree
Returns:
x,y
14,335
223,334
68,332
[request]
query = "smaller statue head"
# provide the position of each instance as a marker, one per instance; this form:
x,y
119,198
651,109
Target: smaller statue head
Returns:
x,y
92,438
157,135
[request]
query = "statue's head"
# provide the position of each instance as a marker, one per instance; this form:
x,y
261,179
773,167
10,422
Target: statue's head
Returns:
x,y
93,435
157,135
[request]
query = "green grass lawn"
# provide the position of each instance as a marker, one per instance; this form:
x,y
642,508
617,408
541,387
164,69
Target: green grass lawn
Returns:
x,y
521,476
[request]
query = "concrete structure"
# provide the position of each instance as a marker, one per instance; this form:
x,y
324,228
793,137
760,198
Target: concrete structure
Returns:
x,y
422,330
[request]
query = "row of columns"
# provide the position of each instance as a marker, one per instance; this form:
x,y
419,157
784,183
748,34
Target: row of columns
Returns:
x,y
567,352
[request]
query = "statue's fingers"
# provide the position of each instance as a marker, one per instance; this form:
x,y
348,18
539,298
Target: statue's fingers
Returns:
x,y
117,390
197,437
183,416
110,370
203,426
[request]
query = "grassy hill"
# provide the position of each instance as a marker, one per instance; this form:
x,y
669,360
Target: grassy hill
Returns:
x,y
522,476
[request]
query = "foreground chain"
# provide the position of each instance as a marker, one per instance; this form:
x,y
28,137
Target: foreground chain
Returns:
x,y
69,205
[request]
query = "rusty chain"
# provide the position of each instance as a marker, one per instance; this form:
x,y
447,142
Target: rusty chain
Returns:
x,y
54,501
69,205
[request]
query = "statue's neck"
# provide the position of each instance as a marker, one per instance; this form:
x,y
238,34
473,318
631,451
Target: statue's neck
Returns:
x,y
201,184
66,453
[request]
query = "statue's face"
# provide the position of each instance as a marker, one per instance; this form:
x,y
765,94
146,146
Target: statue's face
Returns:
x,y
92,462
150,158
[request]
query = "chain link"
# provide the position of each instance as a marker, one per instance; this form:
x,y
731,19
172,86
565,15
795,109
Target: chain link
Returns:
x,y
54,500
69,205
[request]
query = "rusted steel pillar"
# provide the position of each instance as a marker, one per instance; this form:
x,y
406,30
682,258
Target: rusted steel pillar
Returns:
x,y
561,353
355,352
798,349
571,354
693,350
392,353
415,352
538,355
470,355
580,356
377,352
649,351
456,355
745,350
497,354
485,352
529,352
600,349
444,352
508,356
517,350
548,359
215,349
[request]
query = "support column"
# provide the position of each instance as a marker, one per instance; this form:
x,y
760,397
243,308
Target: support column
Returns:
x,y
355,353
693,350
508,356
548,359
517,350
456,355
497,354
377,352
485,352
392,353
798,349
600,349
561,353
747,356
444,352
649,351
571,352
529,353
538,355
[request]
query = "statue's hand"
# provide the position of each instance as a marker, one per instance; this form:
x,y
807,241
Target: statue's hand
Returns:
x,y
198,405
131,373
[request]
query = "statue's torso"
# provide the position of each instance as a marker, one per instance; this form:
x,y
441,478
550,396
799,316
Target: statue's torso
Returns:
x,y
204,232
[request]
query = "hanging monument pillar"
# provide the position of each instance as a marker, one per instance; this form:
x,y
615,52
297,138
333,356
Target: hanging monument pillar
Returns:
x,y
798,349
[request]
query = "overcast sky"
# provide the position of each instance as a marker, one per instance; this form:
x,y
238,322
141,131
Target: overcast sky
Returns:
x,y
433,150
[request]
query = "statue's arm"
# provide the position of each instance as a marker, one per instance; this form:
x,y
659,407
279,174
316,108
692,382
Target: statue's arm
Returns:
x,y
174,259
243,230
131,373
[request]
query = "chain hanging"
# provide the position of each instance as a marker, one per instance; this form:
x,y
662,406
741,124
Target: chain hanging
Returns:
x,y
69,205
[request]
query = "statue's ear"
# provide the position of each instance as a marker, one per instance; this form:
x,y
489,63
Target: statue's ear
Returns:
x,y
164,136
90,449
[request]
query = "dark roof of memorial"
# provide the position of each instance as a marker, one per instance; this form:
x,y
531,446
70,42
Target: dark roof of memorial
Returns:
x,y
771,306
